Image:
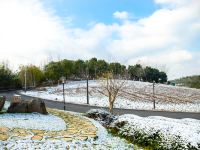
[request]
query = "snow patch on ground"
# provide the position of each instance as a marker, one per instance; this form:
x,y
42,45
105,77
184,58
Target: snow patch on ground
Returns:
x,y
32,121
105,141
6,105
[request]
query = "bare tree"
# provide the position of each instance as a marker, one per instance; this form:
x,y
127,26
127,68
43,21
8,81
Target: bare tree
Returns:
x,y
111,87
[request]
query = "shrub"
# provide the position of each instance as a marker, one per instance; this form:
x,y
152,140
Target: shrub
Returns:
x,y
152,138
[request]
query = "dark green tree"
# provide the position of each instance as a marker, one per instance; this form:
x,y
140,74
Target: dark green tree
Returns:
x,y
153,74
93,68
67,68
53,71
102,66
162,77
79,69
136,72
117,69
8,80
34,75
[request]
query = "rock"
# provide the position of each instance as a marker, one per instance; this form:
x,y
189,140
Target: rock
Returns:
x,y
97,113
27,107
37,106
117,125
18,107
2,102
16,99
104,117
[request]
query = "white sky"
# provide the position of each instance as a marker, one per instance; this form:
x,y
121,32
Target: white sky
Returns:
x,y
32,33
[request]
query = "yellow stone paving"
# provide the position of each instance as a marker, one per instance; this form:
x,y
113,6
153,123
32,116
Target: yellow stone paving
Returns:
x,y
78,128
3,137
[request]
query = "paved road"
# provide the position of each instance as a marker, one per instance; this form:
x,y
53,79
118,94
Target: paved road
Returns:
x,y
83,108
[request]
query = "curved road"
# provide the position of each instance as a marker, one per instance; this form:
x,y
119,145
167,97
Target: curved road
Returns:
x,y
83,108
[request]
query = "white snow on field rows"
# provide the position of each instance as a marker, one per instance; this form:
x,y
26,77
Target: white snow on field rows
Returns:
x,y
137,95
32,121
187,129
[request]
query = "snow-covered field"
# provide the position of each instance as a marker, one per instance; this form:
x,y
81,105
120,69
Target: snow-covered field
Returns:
x,y
182,131
136,95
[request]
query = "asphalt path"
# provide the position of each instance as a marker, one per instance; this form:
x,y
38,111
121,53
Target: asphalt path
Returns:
x,y
117,111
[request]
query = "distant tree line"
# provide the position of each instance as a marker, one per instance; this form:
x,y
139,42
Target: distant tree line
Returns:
x,y
138,73
33,75
78,70
8,79
94,68
190,81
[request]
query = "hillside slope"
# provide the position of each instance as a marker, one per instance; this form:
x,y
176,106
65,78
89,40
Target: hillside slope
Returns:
x,y
190,81
136,95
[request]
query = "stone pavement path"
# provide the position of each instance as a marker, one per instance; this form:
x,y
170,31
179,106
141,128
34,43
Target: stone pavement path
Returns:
x,y
78,128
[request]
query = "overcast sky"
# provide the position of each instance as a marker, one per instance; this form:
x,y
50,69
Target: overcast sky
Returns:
x,y
160,33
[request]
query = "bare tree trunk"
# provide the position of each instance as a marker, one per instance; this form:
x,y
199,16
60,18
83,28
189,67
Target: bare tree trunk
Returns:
x,y
111,101
111,88
111,107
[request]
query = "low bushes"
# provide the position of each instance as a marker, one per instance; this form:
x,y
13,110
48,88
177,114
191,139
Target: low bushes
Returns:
x,y
104,117
154,133
152,137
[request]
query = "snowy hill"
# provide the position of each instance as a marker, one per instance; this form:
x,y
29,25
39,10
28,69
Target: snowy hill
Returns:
x,y
136,95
